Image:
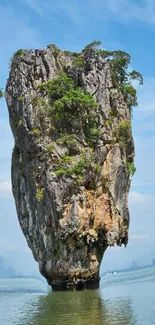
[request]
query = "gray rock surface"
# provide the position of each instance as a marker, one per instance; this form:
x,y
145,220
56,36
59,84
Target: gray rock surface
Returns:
x,y
68,227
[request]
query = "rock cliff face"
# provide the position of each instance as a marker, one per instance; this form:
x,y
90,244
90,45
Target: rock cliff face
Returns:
x,y
68,216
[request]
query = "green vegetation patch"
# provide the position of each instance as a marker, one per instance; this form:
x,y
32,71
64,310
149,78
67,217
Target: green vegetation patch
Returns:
x,y
20,123
35,132
20,99
58,86
74,104
67,139
122,133
71,112
92,134
67,167
94,45
40,194
16,55
79,62
50,148
121,78
131,169
1,93
71,107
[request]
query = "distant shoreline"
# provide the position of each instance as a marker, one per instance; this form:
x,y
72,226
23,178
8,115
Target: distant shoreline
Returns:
x,y
130,269
23,277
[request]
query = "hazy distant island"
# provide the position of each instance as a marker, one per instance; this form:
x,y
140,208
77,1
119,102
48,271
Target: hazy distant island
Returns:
x,y
5,272
9,272
133,267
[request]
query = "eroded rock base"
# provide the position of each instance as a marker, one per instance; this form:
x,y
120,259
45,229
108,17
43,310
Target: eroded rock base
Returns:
x,y
76,286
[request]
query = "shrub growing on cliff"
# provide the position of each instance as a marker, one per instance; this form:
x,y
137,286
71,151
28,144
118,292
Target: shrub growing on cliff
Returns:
x,y
79,62
122,133
68,139
94,45
58,86
66,166
1,93
70,108
119,64
65,159
91,134
60,172
35,132
79,106
40,194
134,75
50,148
129,94
121,78
131,169
76,103
16,55
20,99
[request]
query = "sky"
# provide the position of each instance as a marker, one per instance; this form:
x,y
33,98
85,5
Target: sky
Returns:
x,y
127,25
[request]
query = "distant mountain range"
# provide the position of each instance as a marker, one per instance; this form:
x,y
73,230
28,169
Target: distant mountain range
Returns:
x,y
9,272
5,272
133,267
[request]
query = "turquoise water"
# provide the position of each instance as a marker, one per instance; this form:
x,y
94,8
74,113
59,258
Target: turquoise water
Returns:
x,y
123,299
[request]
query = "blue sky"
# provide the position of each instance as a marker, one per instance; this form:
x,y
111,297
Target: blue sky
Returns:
x,y
71,24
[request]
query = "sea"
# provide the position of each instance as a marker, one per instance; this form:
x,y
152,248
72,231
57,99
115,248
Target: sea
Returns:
x,y
123,299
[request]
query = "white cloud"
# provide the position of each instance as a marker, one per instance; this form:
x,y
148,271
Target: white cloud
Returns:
x,y
146,97
129,11
5,189
122,10
142,236
140,184
71,8
145,157
35,6
137,198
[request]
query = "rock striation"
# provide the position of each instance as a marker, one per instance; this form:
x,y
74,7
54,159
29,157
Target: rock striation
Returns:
x,y
71,192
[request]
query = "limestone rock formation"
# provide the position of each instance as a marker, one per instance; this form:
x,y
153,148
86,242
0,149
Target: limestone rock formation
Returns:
x,y
70,188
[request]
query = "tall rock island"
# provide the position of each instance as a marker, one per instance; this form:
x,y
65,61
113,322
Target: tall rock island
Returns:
x,y
73,159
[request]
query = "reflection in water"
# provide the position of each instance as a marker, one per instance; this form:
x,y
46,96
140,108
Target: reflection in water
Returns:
x,y
80,308
123,299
